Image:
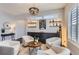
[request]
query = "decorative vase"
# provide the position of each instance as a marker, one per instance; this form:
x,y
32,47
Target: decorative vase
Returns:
x,y
2,30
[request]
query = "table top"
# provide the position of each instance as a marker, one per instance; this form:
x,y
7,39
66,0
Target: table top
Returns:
x,y
34,44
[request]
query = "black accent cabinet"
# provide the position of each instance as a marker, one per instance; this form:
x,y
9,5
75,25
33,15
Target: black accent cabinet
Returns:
x,y
43,35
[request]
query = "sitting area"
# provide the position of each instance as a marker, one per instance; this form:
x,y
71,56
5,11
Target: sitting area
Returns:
x,y
29,46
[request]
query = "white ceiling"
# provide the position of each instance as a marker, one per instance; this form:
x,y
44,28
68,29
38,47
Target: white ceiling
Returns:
x,y
20,8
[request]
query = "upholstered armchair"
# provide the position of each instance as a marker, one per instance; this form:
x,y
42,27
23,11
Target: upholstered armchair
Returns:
x,y
27,39
8,47
54,46
55,41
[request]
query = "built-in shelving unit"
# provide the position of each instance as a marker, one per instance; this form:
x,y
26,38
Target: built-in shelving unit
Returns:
x,y
32,23
42,23
54,23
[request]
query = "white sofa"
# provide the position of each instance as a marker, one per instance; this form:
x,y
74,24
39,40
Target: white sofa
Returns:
x,y
14,45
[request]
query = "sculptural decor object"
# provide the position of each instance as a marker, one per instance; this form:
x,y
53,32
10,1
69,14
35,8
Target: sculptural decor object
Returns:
x,y
2,30
6,25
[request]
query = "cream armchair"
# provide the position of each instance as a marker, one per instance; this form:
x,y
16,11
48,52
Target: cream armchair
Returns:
x,y
56,41
27,39
12,46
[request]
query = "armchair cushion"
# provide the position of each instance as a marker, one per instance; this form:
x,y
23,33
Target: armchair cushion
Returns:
x,y
56,41
27,39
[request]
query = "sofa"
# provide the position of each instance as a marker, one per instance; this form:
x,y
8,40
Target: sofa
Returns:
x,y
9,47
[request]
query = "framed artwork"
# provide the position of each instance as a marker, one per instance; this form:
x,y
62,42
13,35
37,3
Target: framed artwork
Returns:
x,y
42,24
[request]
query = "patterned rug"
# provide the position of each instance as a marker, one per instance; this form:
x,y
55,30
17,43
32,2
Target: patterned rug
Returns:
x,y
31,51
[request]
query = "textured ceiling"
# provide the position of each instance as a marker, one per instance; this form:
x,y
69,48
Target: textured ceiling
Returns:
x,y
23,7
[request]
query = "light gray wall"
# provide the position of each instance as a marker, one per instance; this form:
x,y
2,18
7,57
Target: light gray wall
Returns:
x,y
21,27
57,14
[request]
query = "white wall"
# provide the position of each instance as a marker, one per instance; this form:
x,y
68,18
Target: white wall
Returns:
x,y
21,27
57,15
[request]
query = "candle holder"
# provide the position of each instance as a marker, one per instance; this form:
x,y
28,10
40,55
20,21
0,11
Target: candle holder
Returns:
x,y
36,39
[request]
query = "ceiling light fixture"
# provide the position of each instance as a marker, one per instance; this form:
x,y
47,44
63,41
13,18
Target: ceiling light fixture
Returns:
x,y
33,11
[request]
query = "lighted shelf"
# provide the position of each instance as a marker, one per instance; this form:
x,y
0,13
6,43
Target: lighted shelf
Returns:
x,y
32,23
53,23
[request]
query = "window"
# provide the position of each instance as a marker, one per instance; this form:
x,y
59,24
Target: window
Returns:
x,y
75,23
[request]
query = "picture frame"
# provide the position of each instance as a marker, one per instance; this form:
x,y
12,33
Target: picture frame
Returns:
x,y
42,24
